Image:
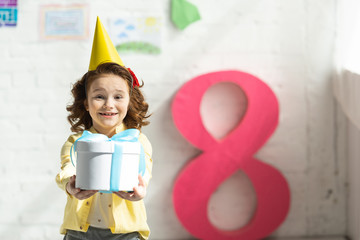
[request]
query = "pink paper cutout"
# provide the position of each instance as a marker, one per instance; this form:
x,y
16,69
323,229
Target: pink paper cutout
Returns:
x,y
221,158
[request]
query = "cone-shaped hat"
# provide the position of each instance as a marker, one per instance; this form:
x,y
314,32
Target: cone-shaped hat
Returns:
x,y
103,49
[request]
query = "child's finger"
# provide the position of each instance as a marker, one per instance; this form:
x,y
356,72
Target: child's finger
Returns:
x,y
139,192
85,194
141,180
124,195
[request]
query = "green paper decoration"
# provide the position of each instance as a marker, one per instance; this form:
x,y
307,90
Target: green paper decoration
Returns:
x,y
183,13
139,47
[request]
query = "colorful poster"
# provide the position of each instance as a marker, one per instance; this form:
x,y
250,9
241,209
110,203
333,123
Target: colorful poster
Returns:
x,y
136,34
8,13
64,22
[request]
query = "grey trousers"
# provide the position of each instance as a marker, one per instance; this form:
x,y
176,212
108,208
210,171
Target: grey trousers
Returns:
x,y
100,234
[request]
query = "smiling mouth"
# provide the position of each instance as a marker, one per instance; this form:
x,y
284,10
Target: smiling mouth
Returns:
x,y
108,114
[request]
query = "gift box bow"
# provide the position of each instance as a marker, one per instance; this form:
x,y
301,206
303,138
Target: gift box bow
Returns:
x,y
128,135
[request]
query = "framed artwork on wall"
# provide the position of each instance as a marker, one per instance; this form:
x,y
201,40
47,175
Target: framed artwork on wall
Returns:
x,y
64,22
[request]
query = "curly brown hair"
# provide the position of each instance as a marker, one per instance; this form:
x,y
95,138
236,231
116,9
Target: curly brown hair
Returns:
x,y
80,119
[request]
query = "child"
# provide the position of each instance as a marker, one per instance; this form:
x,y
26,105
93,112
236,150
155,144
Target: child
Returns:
x,y
107,100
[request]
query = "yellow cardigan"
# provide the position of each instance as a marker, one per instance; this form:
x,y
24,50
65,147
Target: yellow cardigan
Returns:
x,y
128,216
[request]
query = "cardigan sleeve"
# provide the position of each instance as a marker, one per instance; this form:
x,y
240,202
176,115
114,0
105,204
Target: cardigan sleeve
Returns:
x,y
148,157
67,168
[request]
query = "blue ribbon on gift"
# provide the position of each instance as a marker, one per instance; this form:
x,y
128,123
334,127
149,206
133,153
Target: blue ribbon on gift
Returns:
x,y
128,135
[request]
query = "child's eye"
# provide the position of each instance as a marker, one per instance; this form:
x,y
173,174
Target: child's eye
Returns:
x,y
99,97
117,97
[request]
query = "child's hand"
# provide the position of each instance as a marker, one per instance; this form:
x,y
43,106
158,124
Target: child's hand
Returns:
x,y
77,192
138,194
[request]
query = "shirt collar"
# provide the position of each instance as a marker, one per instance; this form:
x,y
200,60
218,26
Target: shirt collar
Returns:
x,y
119,128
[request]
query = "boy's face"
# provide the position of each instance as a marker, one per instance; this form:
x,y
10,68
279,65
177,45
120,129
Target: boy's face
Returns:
x,y
107,102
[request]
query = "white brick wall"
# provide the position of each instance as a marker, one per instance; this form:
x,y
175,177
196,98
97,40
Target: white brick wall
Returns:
x,y
288,44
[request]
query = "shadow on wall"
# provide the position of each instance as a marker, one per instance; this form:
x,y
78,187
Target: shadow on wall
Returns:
x,y
170,153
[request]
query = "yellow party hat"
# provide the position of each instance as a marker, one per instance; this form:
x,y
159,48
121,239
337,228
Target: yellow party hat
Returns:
x,y
103,49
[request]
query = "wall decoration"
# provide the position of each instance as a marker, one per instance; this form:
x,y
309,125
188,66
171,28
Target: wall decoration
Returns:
x,y
64,22
136,34
222,158
8,13
183,13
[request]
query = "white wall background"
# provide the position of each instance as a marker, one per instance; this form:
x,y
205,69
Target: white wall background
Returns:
x,y
288,44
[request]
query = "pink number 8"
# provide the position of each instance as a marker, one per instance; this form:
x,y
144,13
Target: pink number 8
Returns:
x,y
220,159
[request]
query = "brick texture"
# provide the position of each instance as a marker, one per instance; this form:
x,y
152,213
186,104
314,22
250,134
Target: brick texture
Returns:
x,y
288,44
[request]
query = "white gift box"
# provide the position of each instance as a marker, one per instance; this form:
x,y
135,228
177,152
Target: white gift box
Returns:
x,y
107,165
